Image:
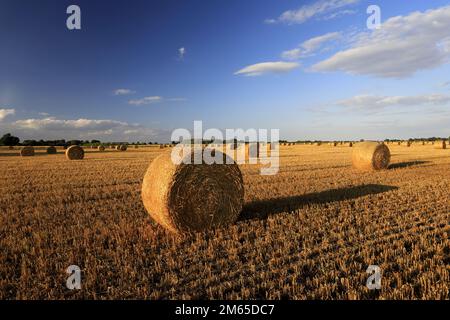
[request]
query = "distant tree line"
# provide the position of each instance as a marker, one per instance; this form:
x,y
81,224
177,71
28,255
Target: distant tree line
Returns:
x,y
10,140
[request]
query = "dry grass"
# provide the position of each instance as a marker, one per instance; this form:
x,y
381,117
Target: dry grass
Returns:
x,y
309,232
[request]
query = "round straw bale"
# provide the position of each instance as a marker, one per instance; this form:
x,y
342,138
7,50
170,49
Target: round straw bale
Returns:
x,y
350,144
51,150
101,148
11,148
27,152
136,146
75,153
192,197
441,145
371,156
122,147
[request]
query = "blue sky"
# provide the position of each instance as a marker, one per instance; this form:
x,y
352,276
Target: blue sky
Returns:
x,y
139,69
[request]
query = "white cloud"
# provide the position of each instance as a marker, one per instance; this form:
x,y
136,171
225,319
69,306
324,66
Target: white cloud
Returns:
x,y
132,131
339,14
145,100
293,54
105,130
402,46
268,67
6,112
270,21
181,53
123,92
310,11
52,123
310,46
378,103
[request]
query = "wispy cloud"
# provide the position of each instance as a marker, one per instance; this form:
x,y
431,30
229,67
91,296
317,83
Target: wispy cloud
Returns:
x,y
310,46
6,112
378,103
339,14
177,99
181,53
123,92
154,99
145,100
307,12
267,67
401,47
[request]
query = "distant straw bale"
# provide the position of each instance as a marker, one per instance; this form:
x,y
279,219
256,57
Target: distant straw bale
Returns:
x,y
51,150
441,145
27,151
122,147
75,153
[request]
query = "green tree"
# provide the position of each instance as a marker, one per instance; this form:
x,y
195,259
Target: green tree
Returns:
x,y
9,140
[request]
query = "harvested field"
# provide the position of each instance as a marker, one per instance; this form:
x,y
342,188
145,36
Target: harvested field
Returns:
x,y
309,232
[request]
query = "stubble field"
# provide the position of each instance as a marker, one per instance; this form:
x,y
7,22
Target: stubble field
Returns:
x,y
309,232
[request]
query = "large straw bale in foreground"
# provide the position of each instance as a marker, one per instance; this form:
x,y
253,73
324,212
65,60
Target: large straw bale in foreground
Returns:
x,y
371,156
192,197
75,153
27,152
